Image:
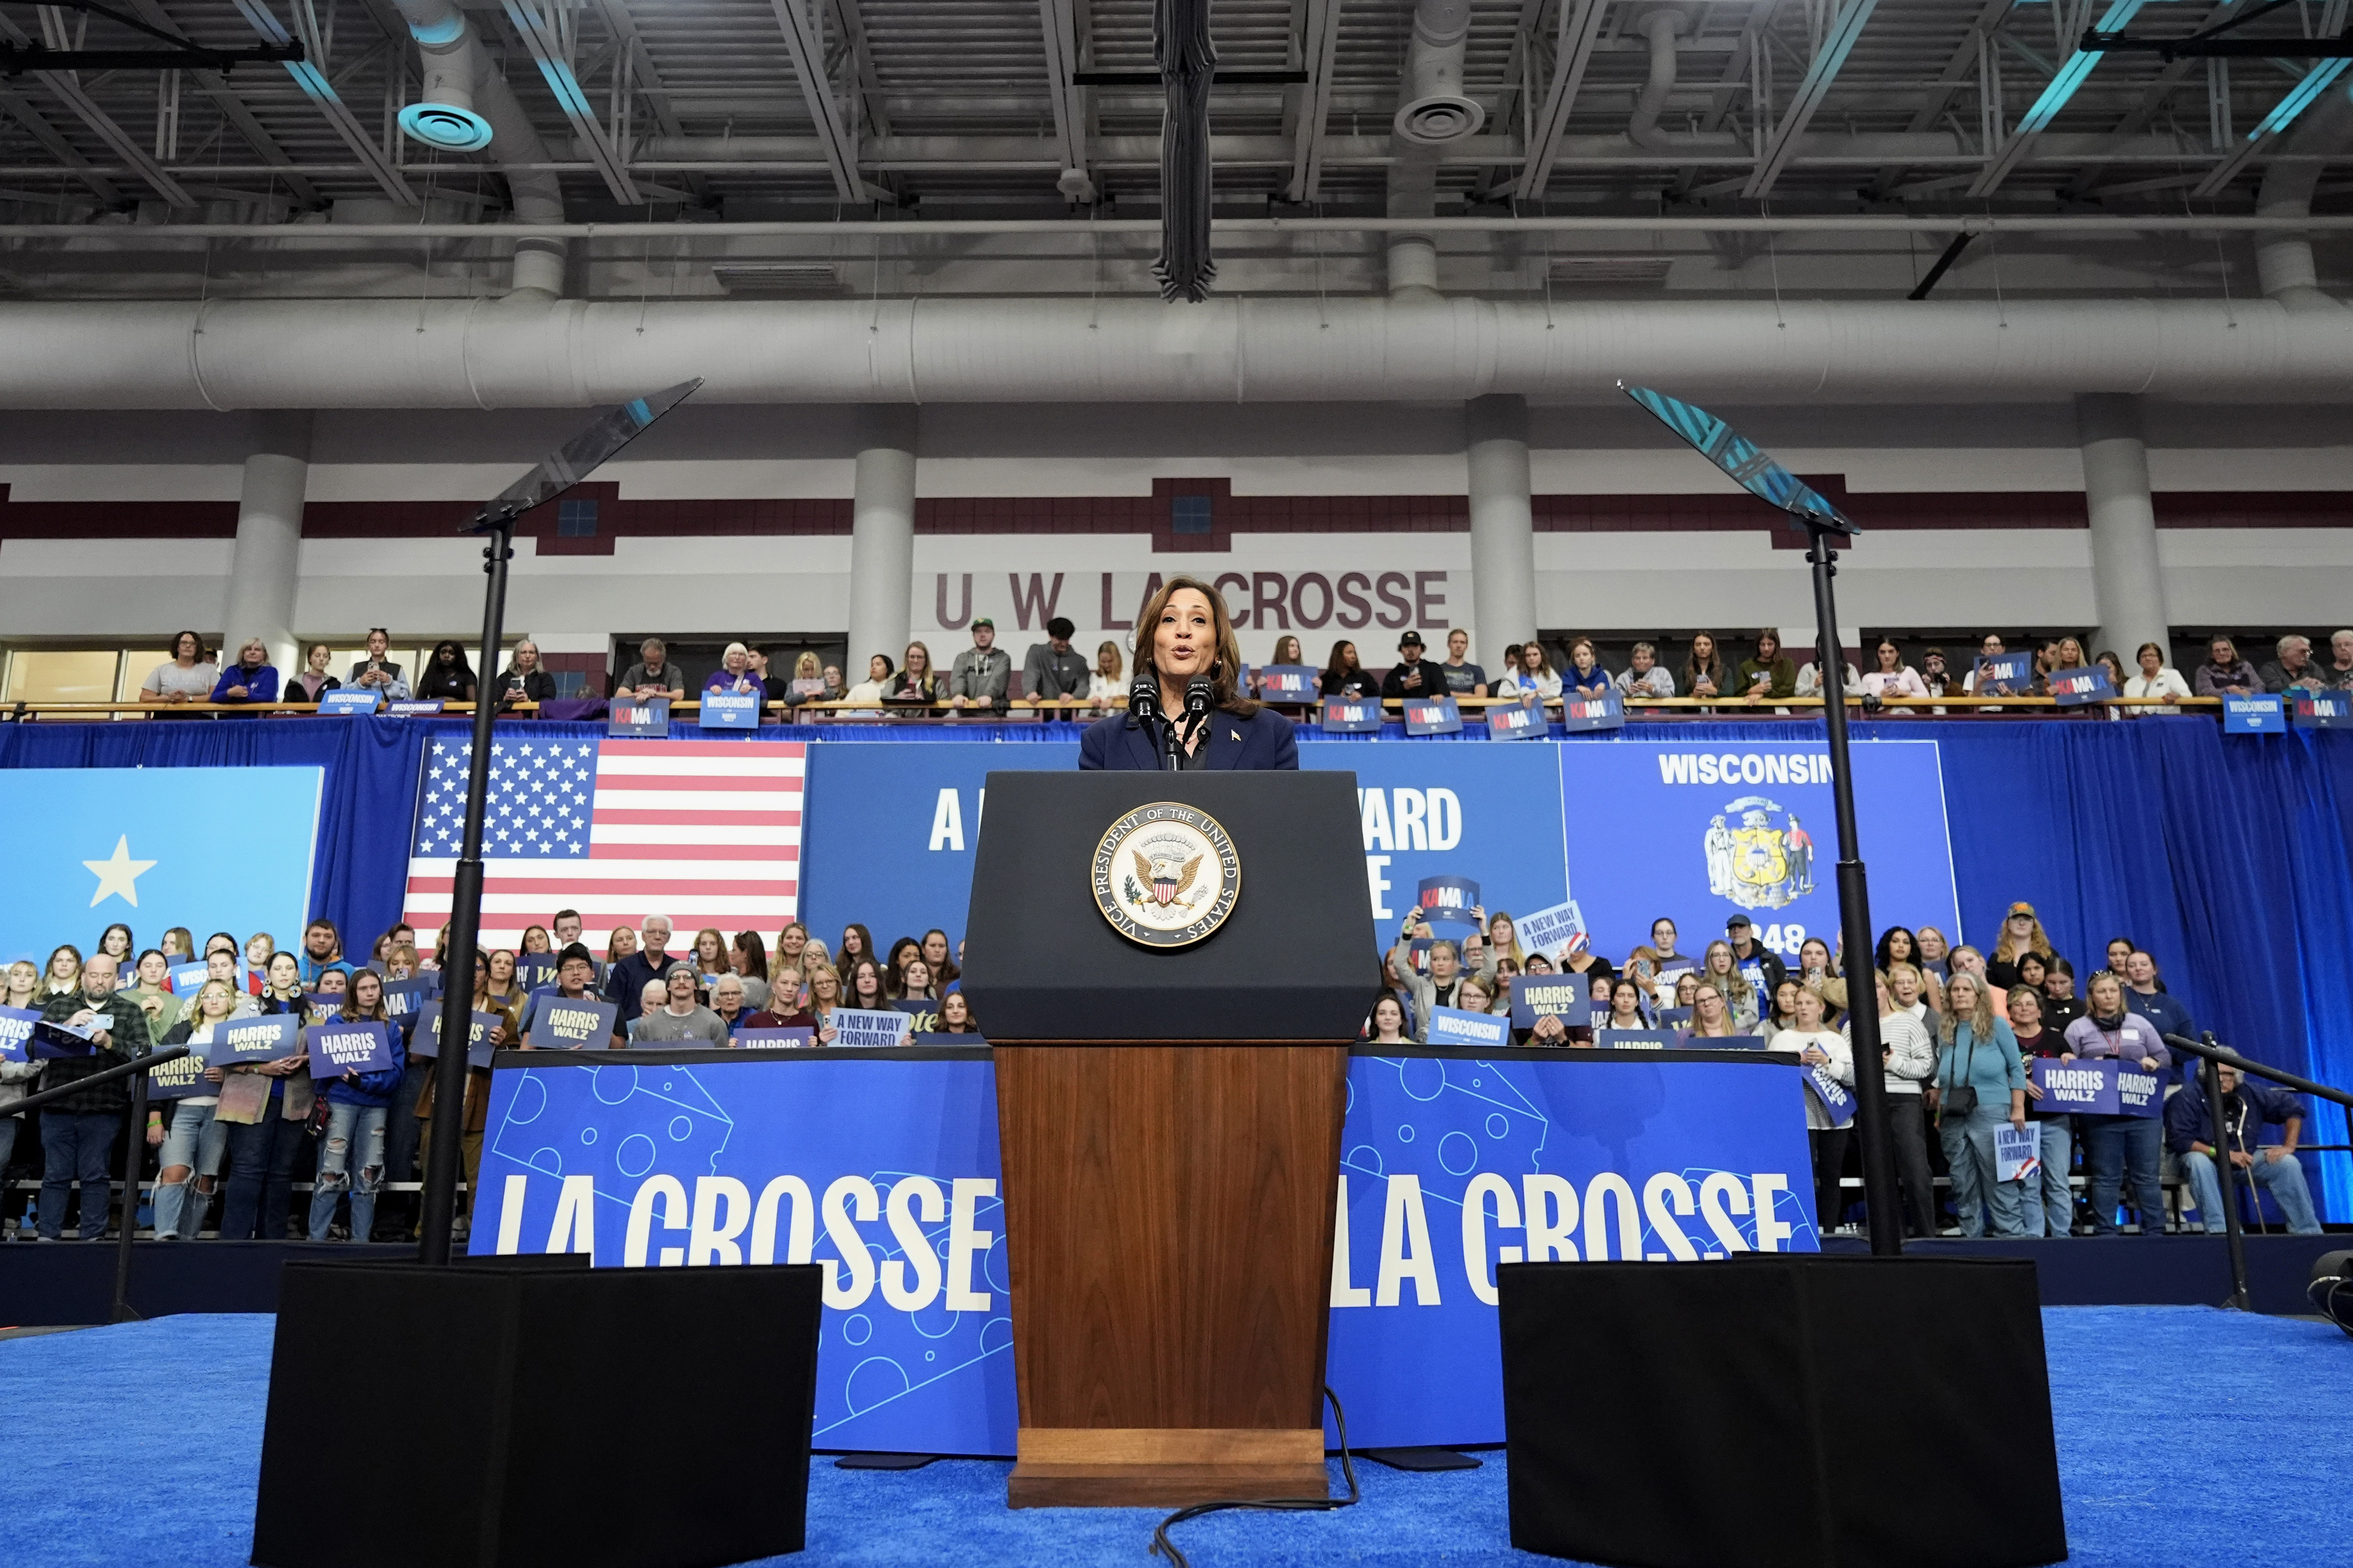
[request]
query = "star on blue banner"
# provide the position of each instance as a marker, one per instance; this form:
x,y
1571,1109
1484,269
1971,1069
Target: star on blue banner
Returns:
x,y
208,849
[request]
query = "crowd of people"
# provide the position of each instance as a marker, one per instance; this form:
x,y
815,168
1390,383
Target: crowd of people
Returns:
x,y
1957,1027
979,678
251,1131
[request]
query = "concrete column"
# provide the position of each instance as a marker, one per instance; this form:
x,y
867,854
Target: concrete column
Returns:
x,y
881,538
2128,584
264,567
1502,526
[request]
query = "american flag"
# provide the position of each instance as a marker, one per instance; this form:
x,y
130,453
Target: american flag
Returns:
x,y
706,832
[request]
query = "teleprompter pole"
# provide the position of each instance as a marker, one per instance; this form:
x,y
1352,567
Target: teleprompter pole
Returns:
x,y
1887,1210
449,1130
2226,1176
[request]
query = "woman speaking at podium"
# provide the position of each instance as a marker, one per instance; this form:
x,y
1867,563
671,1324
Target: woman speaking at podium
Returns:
x,y
1187,710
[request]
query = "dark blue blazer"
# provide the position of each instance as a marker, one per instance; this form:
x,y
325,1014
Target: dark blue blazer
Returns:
x,y
1265,739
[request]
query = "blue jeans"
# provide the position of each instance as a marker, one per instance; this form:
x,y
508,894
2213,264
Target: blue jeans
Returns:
x,y
2051,1211
2120,1150
348,1127
179,1211
2283,1179
77,1144
260,1175
1968,1153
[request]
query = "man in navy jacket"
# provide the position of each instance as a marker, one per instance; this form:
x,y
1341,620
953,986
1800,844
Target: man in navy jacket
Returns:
x,y
2247,1108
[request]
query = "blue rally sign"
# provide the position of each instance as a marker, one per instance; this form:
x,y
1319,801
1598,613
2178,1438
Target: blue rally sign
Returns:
x,y
1351,716
16,1029
639,716
1568,997
338,1048
1439,716
2075,687
268,1039
1605,711
2082,1087
479,1050
730,710
566,1023
2004,674
1450,898
351,700
1289,683
1507,721
2260,715
1480,1031
2322,709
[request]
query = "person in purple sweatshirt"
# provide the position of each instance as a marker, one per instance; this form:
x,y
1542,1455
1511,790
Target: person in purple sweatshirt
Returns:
x,y
2115,1146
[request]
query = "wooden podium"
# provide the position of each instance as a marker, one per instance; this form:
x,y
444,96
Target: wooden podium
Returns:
x,y
1170,1126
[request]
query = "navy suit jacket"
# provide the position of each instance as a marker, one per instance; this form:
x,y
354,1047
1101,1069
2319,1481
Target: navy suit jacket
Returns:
x,y
1265,739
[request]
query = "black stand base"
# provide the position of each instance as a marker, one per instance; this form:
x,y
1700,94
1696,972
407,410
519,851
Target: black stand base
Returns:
x,y
1780,1412
1421,1461
883,1461
542,1414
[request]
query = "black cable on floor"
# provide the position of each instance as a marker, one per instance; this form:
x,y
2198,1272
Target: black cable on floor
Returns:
x,y
1164,1547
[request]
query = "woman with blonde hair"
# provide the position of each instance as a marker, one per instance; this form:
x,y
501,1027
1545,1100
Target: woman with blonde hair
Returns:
x,y
1980,1084
1711,1016
2022,933
1716,965
1184,633
622,943
918,683
62,975
1503,940
824,983
1107,684
193,1140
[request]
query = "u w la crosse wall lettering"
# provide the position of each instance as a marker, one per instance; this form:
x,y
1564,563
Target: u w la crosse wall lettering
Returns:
x,y
1166,875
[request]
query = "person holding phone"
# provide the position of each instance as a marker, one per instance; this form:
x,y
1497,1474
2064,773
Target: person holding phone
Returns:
x,y
378,673
1768,677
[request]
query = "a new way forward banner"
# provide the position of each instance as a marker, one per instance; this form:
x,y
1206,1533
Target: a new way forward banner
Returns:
x,y
1632,828
883,1168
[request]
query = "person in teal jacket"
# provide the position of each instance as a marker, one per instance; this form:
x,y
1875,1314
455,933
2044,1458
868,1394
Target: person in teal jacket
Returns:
x,y
1980,1085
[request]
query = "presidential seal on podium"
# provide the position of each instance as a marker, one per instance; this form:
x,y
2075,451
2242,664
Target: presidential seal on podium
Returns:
x,y
1166,875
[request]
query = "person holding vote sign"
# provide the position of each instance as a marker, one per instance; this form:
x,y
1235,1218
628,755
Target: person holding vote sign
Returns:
x,y
474,1111
1980,1084
193,1142
1819,1046
359,1100
2121,1145
265,1104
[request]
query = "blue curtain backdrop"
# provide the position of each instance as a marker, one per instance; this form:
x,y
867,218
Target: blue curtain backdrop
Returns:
x,y
2225,856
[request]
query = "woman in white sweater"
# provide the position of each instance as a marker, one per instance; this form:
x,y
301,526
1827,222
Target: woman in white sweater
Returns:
x,y
1908,1052
2156,682
1817,1046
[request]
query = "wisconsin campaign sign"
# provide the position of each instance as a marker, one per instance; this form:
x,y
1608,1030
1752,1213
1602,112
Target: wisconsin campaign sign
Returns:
x,y
2253,716
157,847
1481,1031
1726,832
351,700
730,710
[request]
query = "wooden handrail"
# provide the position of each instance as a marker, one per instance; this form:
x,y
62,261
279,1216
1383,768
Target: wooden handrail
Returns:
x,y
906,711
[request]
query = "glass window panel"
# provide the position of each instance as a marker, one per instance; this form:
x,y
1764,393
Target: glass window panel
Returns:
x,y
59,675
138,663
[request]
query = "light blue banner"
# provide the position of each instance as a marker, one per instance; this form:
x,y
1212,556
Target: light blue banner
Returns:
x,y
208,849
885,1170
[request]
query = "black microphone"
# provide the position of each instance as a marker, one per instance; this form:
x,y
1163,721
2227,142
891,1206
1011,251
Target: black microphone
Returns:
x,y
1143,698
1199,697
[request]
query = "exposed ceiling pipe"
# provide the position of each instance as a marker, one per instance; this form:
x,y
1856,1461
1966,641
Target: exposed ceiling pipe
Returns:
x,y
468,105
1659,29
2078,226
1435,111
465,354
2284,260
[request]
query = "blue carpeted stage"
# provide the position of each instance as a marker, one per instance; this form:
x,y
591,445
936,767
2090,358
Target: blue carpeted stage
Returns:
x,y
2187,1436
